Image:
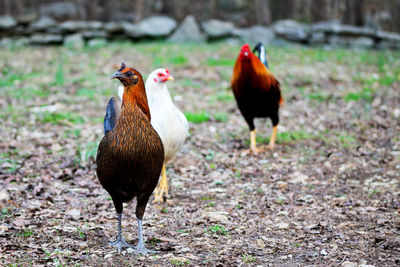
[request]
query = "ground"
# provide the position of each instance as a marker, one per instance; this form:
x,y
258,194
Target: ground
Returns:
x,y
328,195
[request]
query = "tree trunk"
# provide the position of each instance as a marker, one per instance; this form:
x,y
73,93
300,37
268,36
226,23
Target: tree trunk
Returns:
x,y
318,10
263,12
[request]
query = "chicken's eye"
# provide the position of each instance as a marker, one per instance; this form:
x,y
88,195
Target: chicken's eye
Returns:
x,y
128,73
160,74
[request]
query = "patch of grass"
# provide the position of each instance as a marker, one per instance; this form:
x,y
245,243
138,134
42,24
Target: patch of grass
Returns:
x,y
25,233
190,83
287,137
210,155
320,97
296,245
218,229
221,117
81,234
59,76
206,198
154,241
61,118
284,137
4,212
179,262
86,92
177,60
211,204
365,94
248,258
199,117
212,62
225,96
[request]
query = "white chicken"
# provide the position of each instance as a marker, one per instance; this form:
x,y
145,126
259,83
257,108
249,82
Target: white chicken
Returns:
x,y
169,122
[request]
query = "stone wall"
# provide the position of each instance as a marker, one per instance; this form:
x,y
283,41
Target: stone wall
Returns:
x,y
46,31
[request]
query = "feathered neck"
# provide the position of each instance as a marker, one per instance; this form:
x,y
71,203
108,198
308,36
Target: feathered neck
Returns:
x,y
135,95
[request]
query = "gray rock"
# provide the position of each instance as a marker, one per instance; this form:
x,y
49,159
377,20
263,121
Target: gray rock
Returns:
x,y
59,10
7,22
45,39
22,41
361,42
97,42
255,34
132,30
113,27
188,31
6,42
27,18
383,44
317,38
217,29
157,26
325,26
353,30
388,36
94,25
73,26
292,30
74,41
89,34
43,24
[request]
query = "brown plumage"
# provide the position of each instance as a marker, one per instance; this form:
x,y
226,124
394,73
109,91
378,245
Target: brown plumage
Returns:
x,y
257,92
130,156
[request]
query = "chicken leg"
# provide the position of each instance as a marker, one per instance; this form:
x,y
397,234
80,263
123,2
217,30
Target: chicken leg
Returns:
x,y
140,248
120,242
273,137
162,188
253,146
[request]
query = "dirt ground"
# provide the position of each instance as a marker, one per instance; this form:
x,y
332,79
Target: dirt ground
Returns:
x,y
328,195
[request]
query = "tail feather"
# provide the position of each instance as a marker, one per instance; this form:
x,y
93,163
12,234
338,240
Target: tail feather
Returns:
x,y
262,53
110,118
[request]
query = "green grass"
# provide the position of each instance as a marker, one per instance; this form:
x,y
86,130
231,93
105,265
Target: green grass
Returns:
x,y
59,75
218,229
212,62
221,116
364,94
60,118
197,117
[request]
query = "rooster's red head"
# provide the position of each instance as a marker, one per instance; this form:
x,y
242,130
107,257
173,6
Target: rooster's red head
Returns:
x,y
245,52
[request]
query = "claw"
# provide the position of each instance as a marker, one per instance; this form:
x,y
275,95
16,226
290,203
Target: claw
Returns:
x,y
120,243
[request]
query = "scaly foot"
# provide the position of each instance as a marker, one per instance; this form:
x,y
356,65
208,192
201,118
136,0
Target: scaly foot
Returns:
x,y
120,243
140,248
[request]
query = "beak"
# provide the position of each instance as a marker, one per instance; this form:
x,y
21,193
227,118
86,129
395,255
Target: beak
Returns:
x,y
116,75
170,78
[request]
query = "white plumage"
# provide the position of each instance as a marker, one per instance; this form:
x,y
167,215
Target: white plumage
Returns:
x,y
169,122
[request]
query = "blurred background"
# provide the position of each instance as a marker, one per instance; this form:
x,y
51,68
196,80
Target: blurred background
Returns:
x,y
384,14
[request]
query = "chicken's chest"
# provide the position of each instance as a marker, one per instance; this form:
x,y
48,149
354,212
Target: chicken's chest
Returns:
x,y
167,121
134,138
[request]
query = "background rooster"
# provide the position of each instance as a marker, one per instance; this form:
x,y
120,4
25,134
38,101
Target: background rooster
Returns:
x,y
169,122
257,93
130,155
